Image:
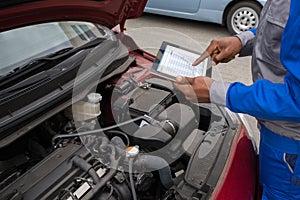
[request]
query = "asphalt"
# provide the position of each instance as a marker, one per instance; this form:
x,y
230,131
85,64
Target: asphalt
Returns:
x,y
150,30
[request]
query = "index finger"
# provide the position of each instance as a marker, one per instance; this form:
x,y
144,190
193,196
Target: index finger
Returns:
x,y
201,58
211,49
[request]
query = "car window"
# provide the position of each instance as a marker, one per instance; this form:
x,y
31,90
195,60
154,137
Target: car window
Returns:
x,y
21,45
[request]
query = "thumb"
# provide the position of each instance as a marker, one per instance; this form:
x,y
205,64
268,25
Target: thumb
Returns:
x,y
180,79
184,80
189,80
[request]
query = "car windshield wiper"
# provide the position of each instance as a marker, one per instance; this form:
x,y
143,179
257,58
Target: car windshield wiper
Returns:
x,y
56,56
39,78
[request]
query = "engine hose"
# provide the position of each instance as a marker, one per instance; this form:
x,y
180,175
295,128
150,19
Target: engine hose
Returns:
x,y
117,132
131,179
150,163
112,172
122,191
85,166
114,163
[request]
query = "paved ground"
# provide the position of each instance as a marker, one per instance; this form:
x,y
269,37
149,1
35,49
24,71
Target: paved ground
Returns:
x,y
150,30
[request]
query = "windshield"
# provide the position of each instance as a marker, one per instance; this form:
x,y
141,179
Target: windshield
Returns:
x,y
21,45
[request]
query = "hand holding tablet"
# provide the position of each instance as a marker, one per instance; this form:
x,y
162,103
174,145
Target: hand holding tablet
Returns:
x,y
172,61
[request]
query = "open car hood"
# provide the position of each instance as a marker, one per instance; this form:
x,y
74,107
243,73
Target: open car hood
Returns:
x,y
18,13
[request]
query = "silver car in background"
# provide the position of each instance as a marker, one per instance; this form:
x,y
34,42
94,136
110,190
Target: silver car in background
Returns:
x,y
236,15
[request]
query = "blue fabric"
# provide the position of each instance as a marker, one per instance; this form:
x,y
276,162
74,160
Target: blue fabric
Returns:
x,y
280,171
290,47
279,155
266,100
274,101
253,30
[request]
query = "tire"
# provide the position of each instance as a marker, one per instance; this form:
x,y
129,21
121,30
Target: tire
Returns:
x,y
243,16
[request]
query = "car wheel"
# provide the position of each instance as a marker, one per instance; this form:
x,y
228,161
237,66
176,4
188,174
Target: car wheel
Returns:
x,y
243,16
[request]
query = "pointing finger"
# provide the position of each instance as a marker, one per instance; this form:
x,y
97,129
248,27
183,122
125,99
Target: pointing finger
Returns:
x,y
201,58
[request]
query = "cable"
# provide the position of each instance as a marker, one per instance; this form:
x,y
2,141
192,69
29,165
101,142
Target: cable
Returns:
x,y
69,192
131,179
126,179
88,181
111,191
63,136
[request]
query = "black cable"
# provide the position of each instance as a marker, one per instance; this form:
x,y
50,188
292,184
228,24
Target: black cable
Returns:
x,y
111,191
131,179
63,136
126,179
88,181
69,192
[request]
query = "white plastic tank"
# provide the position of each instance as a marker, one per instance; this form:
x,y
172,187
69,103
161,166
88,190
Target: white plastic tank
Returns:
x,y
87,110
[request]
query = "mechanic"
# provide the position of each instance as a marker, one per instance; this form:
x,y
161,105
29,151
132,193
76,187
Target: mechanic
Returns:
x,y
274,98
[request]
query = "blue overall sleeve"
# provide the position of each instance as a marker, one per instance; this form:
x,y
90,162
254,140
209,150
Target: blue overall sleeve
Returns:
x,y
274,101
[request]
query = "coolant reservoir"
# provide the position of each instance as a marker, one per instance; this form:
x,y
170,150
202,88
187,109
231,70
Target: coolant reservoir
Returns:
x,y
87,110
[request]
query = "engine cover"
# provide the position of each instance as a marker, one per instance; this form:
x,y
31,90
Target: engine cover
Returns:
x,y
149,101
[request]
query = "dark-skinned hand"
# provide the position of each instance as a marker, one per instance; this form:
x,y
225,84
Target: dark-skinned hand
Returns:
x,y
221,50
195,89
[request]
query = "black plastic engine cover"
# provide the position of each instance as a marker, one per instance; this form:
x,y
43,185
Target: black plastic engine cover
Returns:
x,y
149,101
48,177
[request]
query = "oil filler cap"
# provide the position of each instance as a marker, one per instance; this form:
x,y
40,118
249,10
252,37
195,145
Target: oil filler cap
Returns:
x,y
132,151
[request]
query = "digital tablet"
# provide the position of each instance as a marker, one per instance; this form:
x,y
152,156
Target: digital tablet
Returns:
x,y
173,60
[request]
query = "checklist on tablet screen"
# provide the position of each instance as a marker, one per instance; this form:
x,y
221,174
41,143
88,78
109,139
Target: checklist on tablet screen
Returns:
x,y
176,61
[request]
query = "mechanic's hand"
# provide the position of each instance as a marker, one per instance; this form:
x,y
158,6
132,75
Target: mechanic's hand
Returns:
x,y
221,50
195,89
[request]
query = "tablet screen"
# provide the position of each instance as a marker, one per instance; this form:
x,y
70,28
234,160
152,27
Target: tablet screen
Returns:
x,y
172,61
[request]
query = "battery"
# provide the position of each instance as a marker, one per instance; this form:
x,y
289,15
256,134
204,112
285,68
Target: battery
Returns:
x,y
149,101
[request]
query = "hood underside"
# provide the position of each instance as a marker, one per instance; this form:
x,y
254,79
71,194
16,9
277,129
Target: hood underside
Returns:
x,y
19,13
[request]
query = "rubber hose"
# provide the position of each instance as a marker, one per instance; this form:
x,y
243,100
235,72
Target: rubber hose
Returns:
x,y
151,162
85,166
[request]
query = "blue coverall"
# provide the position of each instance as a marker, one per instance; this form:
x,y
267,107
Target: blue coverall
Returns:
x,y
279,155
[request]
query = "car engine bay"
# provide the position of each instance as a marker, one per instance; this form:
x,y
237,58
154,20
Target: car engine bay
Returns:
x,y
132,138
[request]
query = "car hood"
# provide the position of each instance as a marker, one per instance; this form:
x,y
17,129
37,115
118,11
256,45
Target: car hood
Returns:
x,y
18,13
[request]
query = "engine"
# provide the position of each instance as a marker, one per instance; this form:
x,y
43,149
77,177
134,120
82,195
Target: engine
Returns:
x,y
125,141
